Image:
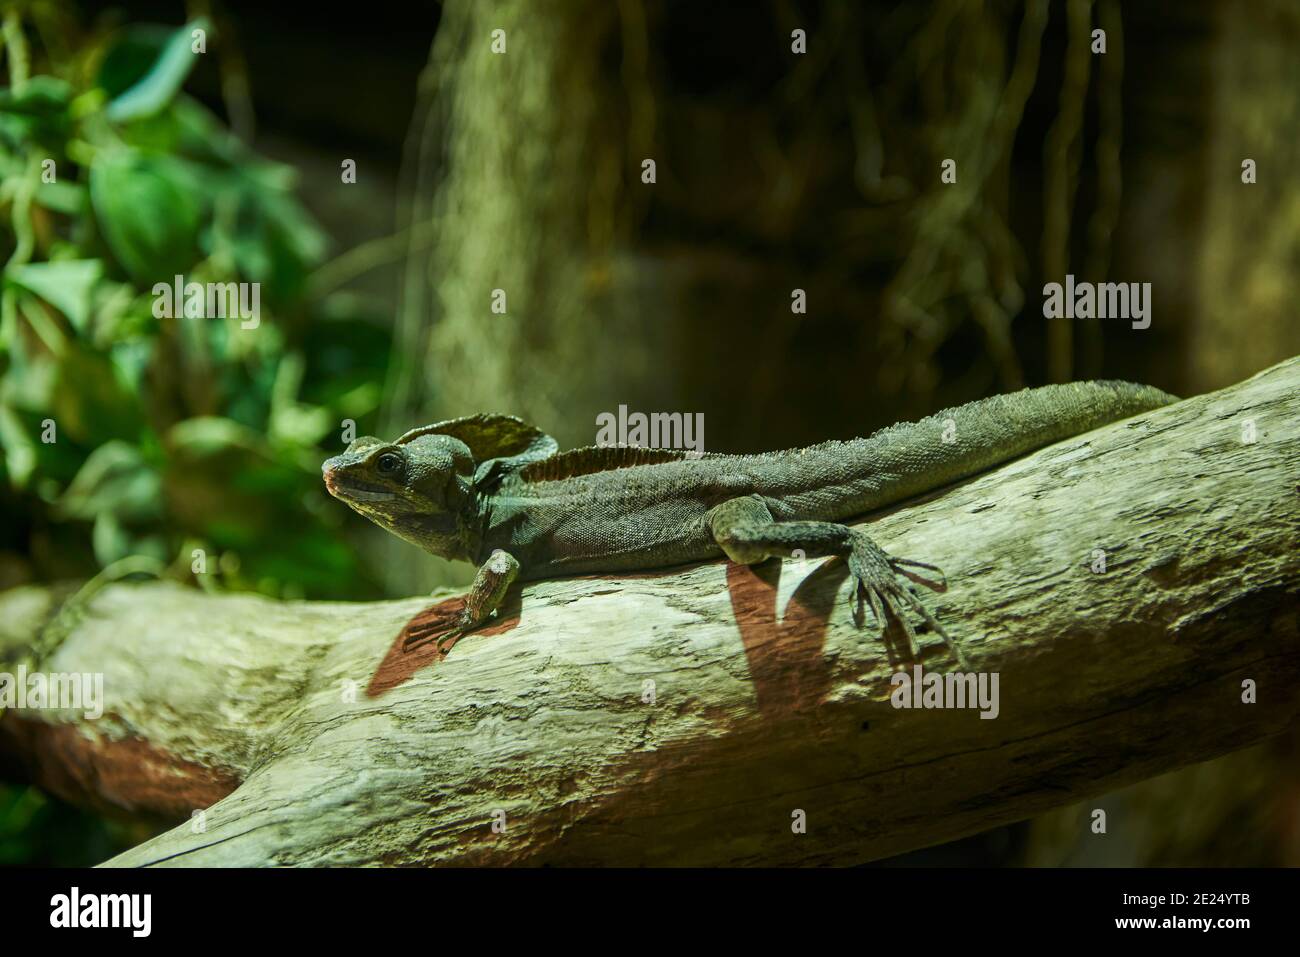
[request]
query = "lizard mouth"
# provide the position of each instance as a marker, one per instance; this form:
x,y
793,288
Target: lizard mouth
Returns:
x,y
348,488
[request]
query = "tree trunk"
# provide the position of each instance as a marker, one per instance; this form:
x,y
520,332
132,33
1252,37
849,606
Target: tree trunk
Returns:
x,y
698,715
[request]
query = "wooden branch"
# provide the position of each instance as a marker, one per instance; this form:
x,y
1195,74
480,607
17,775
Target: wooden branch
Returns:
x,y
687,717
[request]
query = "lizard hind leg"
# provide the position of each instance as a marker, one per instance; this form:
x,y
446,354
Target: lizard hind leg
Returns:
x,y
746,531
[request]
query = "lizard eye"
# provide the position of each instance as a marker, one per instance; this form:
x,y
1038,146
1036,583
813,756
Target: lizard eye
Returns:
x,y
389,463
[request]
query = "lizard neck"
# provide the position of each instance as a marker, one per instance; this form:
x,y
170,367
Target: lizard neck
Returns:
x,y
448,536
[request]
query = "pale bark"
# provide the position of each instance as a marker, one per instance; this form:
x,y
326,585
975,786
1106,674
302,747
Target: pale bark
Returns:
x,y
762,704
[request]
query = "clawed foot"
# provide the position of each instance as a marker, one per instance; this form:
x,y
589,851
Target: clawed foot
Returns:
x,y
878,577
462,625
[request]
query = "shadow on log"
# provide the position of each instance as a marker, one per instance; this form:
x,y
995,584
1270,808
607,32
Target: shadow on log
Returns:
x,y
1134,590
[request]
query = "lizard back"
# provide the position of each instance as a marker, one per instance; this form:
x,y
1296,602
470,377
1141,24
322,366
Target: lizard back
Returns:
x,y
621,509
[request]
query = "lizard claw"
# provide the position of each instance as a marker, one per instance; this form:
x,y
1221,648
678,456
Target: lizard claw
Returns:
x,y
878,576
897,563
451,635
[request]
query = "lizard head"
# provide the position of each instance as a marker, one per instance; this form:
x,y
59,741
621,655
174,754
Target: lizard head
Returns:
x,y
429,486
420,489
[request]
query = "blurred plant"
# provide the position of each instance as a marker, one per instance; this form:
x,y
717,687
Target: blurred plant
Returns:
x,y
40,831
169,435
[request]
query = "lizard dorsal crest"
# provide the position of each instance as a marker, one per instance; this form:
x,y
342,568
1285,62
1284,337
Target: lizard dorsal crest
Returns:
x,y
598,458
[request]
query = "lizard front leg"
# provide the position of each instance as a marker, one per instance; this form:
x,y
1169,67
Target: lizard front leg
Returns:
x,y
745,530
484,597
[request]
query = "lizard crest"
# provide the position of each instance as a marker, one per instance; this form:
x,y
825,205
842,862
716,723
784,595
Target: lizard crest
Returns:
x,y
598,458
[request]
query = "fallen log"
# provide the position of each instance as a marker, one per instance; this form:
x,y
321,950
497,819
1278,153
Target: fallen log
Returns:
x,y
1134,590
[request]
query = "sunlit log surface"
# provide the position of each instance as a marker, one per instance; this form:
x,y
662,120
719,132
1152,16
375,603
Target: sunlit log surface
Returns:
x,y
696,716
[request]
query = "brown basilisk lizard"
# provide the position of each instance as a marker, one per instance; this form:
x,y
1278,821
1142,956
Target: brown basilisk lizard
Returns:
x,y
494,490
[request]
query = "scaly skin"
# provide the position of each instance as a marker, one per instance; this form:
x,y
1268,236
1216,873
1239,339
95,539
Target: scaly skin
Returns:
x,y
518,510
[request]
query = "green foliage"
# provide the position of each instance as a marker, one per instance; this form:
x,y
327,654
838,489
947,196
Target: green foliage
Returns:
x,y
144,71
169,434
39,831
149,209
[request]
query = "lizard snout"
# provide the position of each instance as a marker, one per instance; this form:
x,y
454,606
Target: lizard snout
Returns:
x,y
330,474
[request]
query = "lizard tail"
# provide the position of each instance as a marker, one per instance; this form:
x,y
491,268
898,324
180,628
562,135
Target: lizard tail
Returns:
x,y
1002,427
1146,396
909,459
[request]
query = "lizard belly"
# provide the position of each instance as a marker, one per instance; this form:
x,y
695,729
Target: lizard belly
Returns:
x,y
576,541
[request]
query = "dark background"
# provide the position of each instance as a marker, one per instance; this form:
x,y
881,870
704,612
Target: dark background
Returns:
x,y
775,172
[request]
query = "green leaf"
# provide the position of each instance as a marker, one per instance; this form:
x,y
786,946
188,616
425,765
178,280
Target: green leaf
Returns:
x,y
265,232
19,448
90,402
39,112
291,421
29,386
153,91
116,480
206,435
33,462
133,52
62,197
67,285
110,540
131,360
346,362
303,425
114,540
149,210
46,96
188,128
